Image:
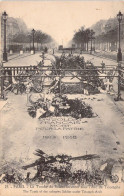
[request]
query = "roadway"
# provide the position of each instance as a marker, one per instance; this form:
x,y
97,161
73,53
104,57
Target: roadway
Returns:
x,y
28,59
98,60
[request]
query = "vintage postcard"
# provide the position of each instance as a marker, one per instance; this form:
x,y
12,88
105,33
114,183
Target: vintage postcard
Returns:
x,y
62,98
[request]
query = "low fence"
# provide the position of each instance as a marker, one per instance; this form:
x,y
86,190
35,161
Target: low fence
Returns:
x,y
113,72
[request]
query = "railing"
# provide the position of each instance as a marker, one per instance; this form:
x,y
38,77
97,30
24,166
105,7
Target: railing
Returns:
x,y
14,71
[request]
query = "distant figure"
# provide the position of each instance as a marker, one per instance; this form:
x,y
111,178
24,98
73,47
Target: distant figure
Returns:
x,y
103,66
45,49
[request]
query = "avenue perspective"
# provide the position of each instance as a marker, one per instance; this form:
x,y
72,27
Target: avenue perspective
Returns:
x,y
62,94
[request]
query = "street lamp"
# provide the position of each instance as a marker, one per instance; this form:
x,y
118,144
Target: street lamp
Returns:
x,y
119,58
91,37
119,55
33,32
4,16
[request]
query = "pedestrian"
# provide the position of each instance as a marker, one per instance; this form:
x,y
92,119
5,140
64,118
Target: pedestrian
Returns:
x,y
103,66
45,50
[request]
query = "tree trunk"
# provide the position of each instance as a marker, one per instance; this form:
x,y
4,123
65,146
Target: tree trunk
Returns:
x,y
37,46
87,45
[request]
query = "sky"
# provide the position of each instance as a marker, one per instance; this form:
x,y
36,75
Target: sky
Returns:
x,y
61,19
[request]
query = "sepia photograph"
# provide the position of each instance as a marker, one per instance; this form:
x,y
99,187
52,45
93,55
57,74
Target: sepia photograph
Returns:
x,y
62,98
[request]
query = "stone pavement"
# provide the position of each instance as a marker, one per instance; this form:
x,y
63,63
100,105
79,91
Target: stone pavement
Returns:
x,y
24,134
2,103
